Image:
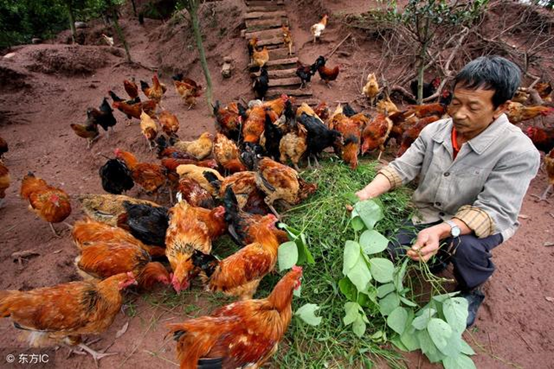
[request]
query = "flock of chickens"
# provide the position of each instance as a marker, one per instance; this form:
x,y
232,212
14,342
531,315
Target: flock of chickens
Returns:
x,y
225,183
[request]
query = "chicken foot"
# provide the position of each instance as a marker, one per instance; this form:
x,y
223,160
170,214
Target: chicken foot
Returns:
x,y
544,196
95,354
54,230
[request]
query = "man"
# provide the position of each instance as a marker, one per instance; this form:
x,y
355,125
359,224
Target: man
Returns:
x,y
474,170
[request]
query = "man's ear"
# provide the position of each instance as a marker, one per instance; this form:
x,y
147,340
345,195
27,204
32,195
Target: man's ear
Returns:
x,y
501,109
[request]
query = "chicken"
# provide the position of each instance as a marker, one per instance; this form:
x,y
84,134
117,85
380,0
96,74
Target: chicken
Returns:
x,y
252,44
238,220
229,119
318,28
188,89
242,334
3,147
319,136
261,83
293,146
169,123
135,108
116,177
322,111
549,167
89,130
131,88
518,113
101,260
241,273
197,173
325,73
439,109
386,106
277,105
151,177
545,90
145,222
243,185
200,148
86,232
375,134
428,88
149,128
187,233
351,131
271,138
411,133
280,182
227,154
155,92
64,312
107,208
305,108
287,38
304,72
254,125
4,182
171,164
194,194
371,88
543,138
108,40
260,57
50,203
103,116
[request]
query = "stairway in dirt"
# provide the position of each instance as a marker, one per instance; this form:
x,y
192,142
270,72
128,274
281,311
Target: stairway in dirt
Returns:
x,y
264,19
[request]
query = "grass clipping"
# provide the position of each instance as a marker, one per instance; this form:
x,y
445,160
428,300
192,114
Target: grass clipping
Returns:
x,y
325,221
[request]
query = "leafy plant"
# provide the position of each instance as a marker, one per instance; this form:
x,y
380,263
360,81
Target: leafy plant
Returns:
x,y
295,251
374,285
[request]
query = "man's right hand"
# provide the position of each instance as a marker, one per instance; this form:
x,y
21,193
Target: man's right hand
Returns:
x,y
363,195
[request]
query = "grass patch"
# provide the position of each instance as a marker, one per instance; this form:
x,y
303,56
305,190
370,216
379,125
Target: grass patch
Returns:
x,y
324,219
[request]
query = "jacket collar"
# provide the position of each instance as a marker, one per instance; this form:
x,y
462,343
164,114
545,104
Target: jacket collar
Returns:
x,y
480,143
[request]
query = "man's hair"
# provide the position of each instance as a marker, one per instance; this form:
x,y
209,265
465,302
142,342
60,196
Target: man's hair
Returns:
x,y
491,73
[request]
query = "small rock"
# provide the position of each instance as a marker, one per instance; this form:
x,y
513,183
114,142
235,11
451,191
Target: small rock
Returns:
x,y
227,59
80,25
9,55
344,53
549,299
36,41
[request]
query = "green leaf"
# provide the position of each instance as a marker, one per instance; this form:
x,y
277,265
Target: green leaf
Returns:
x,y
397,320
304,254
373,242
352,310
465,348
287,255
384,290
408,302
351,256
455,312
428,347
422,320
360,275
359,326
348,289
370,212
364,300
307,314
357,224
453,346
297,291
440,332
388,304
351,197
460,362
381,269
442,298
409,338
399,275
399,344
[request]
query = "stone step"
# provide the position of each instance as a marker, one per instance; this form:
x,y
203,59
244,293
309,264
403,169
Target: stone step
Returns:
x,y
277,64
276,82
265,15
310,102
280,53
278,91
282,73
253,25
265,34
276,41
264,8
264,3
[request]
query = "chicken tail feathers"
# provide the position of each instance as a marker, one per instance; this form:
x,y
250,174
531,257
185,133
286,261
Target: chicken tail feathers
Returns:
x,y
206,262
210,363
210,177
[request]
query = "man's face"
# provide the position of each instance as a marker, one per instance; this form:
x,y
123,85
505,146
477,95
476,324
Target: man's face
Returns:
x,y
472,111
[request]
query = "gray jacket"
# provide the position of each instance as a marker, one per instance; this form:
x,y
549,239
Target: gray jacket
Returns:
x,y
484,186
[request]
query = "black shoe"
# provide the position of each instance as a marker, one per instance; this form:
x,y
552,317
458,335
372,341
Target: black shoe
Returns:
x,y
474,298
438,267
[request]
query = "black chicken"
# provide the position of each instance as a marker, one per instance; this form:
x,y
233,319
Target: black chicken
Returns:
x,y
319,136
104,116
237,220
116,177
147,223
261,84
348,111
428,88
272,135
304,72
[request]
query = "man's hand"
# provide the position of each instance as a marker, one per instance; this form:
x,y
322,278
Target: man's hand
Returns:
x,y
428,242
363,195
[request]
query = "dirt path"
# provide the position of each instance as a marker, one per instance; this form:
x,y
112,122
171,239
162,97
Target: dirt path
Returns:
x,y
58,82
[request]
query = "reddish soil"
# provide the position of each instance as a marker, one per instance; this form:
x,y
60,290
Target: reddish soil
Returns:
x,y
47,87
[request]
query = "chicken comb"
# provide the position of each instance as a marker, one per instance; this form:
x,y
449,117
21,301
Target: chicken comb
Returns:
x,y
296,268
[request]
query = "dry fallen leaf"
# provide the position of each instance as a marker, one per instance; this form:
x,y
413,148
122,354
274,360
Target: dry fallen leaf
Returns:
x,y
523,216
548,244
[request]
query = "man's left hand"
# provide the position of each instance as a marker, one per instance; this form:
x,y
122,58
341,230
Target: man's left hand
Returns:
x,y
428,242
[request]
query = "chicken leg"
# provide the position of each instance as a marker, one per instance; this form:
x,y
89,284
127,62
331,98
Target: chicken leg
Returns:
x,y
95,354
54,230
544,196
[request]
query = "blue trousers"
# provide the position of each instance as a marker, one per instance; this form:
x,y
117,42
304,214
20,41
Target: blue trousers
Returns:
x,y
471,256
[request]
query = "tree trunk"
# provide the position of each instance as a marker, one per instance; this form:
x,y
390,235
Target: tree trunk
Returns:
x,y
134,7
120,32
71,20
193,11
421,74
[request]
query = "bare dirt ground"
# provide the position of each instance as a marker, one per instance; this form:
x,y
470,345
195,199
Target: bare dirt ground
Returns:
x,y
49,86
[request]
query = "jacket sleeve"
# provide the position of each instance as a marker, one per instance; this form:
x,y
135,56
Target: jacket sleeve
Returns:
x,y
497,206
